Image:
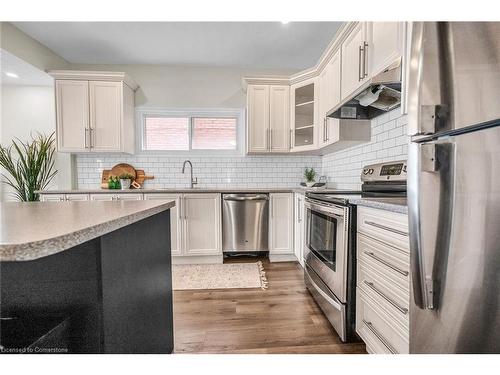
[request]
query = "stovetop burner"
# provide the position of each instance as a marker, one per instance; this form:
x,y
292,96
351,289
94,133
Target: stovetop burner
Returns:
x,y
383,180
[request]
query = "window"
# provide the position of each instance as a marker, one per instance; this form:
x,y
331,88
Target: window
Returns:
x,y
191,131
166,133
214,134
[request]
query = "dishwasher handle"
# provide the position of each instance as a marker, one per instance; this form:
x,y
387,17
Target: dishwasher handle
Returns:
x,y
234,197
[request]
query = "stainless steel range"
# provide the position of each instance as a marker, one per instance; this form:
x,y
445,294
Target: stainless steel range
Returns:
x,y
330,243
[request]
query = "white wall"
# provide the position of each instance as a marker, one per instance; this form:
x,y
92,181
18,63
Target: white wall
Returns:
x,y
31,107
185,86
26,110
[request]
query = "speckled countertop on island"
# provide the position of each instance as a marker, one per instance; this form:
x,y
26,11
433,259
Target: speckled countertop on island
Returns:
x,y
389,204
34,230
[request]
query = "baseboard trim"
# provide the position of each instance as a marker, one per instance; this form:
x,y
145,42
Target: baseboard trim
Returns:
x,y
282,258
198,259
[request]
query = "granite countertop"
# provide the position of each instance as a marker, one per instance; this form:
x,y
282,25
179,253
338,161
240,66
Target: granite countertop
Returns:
x,y
186,190
389,204
34,230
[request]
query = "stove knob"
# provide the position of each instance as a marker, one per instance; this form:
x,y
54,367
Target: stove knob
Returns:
x,y
366,171
370,171
404,169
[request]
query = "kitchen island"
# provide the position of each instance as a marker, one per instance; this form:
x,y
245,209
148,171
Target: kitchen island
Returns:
x,y
86,277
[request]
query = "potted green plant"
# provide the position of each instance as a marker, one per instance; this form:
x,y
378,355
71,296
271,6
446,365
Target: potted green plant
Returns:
x,y
310,175
125,181
29,166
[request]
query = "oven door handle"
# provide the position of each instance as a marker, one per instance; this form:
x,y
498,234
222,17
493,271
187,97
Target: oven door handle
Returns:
x,y
316,208
328,298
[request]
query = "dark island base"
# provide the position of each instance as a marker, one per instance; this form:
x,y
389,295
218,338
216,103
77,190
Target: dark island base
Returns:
x,y
112,294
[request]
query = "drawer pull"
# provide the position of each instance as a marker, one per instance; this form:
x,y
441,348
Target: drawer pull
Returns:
x,y
389,229
385,263
380,337
388,299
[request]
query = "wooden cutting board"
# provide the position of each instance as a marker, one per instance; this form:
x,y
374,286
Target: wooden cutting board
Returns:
x,y
123,168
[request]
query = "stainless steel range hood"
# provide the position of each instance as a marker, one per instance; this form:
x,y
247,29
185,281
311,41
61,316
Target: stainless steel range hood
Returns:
x,y
380,95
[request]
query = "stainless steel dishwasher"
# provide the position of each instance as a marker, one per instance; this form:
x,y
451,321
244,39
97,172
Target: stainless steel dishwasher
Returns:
x,y
245,223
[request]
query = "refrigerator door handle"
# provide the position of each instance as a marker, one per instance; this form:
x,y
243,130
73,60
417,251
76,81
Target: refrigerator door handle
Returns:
x,y
427,98
429,245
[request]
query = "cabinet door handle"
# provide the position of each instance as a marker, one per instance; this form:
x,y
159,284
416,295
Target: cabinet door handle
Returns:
x,y
360,77
326,129
389,229
85,136
384,296
382,339
92,136
386,263
291,135
365,59
270,139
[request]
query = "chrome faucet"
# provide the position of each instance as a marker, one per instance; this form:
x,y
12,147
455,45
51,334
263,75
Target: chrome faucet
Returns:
x,y
194,180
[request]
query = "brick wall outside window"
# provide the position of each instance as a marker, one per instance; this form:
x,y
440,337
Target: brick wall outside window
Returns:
x,y
166,133
214,133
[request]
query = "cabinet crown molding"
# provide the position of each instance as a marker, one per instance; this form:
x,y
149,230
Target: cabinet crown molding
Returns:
x,y
308,73
91,75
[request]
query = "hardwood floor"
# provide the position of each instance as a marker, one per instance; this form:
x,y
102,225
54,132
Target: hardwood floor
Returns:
x,y
281,319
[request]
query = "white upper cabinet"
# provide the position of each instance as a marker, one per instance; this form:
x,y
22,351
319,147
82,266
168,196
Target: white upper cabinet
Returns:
x,y
386,44
258,118
329,96
279,124
72,115
95,111
355,69
105,115
268,118
304,98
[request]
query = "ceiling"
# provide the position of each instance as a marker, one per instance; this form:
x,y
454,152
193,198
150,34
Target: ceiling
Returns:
x,y
27,75
256,45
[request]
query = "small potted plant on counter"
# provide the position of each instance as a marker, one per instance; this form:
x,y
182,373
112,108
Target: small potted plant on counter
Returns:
x,y
310,175
125,181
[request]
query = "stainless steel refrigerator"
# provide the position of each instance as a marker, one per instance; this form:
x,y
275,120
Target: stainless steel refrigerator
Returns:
x,y
454,187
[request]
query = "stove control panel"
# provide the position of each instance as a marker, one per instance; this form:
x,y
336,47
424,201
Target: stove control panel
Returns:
x,y
391,171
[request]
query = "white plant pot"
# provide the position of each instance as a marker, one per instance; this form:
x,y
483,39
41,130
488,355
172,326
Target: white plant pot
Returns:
x,y
310,184
125,184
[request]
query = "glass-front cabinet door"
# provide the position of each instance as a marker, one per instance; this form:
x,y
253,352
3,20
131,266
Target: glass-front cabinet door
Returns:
x,y
303,115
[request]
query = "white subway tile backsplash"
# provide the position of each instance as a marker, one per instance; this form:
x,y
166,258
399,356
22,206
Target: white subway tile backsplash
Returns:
x,y
389,142
212,172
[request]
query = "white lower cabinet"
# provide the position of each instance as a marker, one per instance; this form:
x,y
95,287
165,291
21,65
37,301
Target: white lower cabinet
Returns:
x,y
201,215
52,197
116,197
281,227
299,227
195,223
175,220
382,282
63,197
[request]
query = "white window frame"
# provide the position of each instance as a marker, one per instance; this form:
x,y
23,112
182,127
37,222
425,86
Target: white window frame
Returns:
x,y
238,113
